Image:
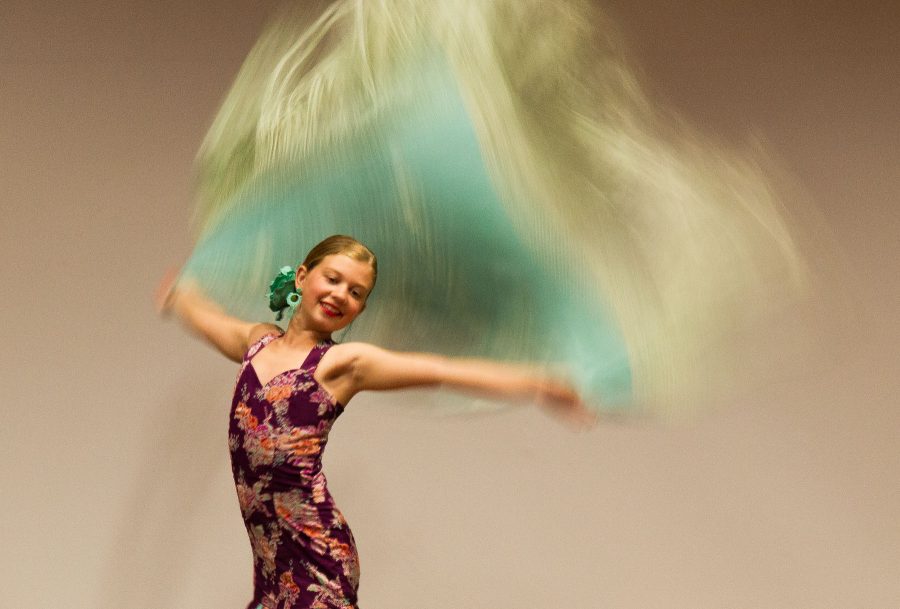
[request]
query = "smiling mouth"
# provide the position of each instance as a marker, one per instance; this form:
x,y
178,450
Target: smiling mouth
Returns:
x,y
329,310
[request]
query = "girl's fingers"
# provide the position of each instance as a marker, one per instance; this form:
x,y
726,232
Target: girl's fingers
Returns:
x,y
162,298
562,401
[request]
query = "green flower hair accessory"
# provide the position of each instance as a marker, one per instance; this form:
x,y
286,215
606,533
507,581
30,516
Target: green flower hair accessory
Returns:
x,y
282,292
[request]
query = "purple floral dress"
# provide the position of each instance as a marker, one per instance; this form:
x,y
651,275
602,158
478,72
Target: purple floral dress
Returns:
x,y
304,555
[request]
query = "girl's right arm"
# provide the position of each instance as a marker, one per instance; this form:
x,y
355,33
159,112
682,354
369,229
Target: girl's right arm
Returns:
x,y
230,335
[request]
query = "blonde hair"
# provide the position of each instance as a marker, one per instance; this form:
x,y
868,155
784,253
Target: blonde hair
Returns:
x,y
345,245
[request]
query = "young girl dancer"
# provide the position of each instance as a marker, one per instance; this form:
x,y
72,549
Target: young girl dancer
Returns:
x,y
292,386
549,213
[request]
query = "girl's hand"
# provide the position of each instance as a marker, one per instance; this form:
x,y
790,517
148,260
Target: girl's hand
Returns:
x,y
164,297
563,402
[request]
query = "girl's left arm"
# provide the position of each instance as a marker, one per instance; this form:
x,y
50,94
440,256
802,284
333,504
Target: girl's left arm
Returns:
x,y
372,368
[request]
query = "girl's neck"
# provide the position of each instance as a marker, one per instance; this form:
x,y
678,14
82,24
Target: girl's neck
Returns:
x,y
298,335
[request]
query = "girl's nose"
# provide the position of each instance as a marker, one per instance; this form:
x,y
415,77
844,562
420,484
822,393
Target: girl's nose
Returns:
x,y
339,291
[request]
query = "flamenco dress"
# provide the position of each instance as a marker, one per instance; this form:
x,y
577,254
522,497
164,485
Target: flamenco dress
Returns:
x,y
304,554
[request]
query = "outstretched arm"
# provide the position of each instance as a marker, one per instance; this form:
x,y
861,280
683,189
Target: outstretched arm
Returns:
x,y
372,368
230,335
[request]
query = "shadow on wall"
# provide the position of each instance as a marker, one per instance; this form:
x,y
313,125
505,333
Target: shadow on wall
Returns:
x,y
185,460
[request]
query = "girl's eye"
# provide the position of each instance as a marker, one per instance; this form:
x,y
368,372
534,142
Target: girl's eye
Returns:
x,y
332,280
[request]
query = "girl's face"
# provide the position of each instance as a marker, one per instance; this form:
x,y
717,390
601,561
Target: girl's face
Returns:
x,y
334,292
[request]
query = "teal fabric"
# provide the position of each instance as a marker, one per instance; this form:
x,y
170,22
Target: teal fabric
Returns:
x,y
455,277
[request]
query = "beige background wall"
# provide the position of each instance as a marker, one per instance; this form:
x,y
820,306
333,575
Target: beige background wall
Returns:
x,y
115,490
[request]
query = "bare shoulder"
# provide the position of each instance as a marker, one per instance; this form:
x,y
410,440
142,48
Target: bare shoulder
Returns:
x,y
259,330
342,355
355,349
337,367
342,359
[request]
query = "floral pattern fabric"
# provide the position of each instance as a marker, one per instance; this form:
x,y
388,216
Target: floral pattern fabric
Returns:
x,y
304,555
